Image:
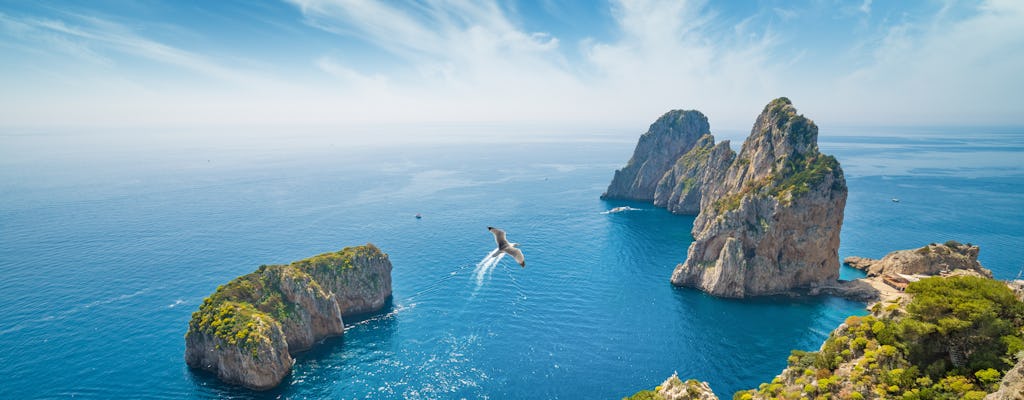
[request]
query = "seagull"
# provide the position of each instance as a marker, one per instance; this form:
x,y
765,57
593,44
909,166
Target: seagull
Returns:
x,y
506,247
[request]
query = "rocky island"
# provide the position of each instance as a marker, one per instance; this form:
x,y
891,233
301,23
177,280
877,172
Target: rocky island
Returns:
x,y
768,218
246,331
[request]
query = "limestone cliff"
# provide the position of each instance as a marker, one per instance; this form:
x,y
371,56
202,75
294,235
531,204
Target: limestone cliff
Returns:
x,y
928,260
668,138
681,187
769,221
245,331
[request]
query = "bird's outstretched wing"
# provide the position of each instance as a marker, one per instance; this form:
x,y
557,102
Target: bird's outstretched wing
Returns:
x,y
499,236
516,254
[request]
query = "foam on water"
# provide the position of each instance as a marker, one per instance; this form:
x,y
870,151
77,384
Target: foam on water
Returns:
x,y
486,265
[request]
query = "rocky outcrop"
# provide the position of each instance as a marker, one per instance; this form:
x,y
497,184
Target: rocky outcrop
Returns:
x,y
770,218
246,330
932,259
257,363
675,389
668,139
1012,385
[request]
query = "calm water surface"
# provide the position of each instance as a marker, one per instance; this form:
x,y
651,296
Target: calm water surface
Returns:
x,y
107,249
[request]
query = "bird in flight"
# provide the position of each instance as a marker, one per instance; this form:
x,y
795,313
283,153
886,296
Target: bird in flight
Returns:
x,y
506,247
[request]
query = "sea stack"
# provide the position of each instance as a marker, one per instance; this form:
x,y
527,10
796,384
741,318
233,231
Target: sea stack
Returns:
x,y
658,150
772,223
246,331
768,218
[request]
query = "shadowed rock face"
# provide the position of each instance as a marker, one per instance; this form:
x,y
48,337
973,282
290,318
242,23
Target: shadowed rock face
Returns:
x,y
680,189
771,222
668,138
246,330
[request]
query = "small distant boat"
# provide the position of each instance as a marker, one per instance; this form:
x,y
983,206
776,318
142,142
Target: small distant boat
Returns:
x,y
620,209
418,216
895,200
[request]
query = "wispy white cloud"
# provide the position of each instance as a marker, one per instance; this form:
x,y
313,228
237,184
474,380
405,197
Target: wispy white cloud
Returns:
x,y
865,7
475,61
90,37
941,69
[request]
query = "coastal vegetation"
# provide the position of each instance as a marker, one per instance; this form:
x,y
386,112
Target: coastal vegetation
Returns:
x,y
240,311
954,340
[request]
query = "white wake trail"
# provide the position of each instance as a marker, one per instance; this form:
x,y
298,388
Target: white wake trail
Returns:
x,y
486,265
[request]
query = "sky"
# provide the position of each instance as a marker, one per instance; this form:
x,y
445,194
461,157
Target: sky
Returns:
x,y
620,63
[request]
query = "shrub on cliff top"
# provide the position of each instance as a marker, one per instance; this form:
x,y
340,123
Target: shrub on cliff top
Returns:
x,y
975,322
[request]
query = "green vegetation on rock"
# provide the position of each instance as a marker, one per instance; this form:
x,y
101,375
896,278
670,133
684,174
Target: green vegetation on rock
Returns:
x,y
245,310
336,261
800,175
954,340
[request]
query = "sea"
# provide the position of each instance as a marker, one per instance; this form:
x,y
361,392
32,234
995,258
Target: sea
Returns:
x,y
110,240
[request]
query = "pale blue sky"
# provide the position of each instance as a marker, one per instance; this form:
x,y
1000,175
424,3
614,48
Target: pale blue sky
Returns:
x,y
617,63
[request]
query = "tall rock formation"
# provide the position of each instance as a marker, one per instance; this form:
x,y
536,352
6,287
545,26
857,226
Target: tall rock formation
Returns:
x,y
771,224
768,219
668,138
245,331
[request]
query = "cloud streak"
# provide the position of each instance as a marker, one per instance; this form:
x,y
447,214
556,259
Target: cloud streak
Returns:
x,y
477,61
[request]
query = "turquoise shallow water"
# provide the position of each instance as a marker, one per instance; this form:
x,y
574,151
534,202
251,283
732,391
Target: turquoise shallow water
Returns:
x,y
106,251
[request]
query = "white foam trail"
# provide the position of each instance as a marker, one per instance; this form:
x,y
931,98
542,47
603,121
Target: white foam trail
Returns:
x,y
621,209
486,265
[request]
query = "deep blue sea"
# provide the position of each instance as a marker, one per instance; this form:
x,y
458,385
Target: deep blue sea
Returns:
x,y
109,241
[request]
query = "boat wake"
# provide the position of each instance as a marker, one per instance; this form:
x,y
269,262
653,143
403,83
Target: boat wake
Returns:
x,y
486,265
621,209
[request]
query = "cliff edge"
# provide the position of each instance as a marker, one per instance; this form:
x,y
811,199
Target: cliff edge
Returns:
x,y
247,329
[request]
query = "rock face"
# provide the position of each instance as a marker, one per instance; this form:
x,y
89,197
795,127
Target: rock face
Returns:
x,y
675,389
668,138
1012,385
932,259
245,331
769,217
680,189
